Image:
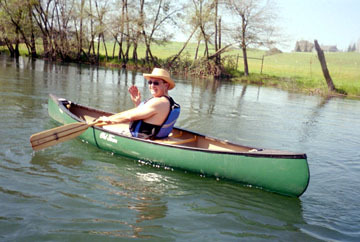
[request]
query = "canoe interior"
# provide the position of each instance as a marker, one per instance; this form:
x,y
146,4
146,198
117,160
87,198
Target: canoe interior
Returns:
x,y
180,137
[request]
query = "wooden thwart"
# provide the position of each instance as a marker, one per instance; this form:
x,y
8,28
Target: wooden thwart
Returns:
x,y
176,141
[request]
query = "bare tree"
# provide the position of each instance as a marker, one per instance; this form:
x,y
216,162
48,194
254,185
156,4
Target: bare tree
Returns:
x,y
123,19
81,34
92,32
53,18
101,11
182,49
217,31
64,36
43,16
257,25
203,16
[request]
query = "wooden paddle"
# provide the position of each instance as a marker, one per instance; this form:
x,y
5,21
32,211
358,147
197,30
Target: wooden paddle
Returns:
x,y
60,134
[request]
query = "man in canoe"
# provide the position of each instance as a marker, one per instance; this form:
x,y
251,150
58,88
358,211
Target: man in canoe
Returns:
x,y
154,118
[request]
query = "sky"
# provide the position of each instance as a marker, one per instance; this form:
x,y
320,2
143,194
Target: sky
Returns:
x,y
331,22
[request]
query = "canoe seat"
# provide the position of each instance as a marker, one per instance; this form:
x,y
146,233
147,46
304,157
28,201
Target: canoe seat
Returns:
x,y
177,141
175,135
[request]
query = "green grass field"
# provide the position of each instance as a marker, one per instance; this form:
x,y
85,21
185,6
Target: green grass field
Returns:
x,y
303,69
296,69
344,69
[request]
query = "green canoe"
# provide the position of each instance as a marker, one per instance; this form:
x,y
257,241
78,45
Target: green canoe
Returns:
x,y
277,171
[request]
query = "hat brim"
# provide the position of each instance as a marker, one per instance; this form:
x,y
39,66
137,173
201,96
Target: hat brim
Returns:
x,y
165,78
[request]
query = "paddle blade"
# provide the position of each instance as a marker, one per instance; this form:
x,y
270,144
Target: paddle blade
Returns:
x,y
57,135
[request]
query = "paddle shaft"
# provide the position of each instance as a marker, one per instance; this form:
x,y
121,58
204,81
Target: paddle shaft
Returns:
x,y
60,134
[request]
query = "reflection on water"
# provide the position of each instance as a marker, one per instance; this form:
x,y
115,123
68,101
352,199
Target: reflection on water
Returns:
x,y
309,126
74,190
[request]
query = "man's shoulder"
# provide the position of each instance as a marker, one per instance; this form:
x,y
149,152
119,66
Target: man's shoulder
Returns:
x,y
158,101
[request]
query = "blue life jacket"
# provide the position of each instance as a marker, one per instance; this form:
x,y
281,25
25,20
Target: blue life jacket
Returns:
x,y
138,127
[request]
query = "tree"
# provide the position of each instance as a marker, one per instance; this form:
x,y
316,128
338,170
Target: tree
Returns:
x,y
42,16
204,17
157,14
101,11
54,19
81,33
217,34
123,19
182,49
257,25
19,16
8,33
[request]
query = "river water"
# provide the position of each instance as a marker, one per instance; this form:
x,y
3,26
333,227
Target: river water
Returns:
x,y
74,191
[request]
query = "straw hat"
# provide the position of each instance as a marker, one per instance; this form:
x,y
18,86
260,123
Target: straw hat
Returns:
x,y
161,74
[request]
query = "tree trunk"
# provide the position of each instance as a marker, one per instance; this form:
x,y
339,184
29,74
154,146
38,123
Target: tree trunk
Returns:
x,y
106,52
148,50
126,54
32,38
121,54
201,24
182,49
128,44
324,68
92,44
46,46
215,25
81,29
246,67
135,57
218,58
206,52
98,48
147,39
10,47
197,49
17,53
219,52
243,45
115,41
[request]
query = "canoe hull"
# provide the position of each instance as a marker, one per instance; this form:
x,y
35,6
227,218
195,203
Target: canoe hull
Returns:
x,y
284,175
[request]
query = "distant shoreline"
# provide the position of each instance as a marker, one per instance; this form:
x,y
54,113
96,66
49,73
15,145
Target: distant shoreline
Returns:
x,y
295,72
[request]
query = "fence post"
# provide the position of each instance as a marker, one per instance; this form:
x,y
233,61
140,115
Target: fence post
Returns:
x,y
324,68
262,63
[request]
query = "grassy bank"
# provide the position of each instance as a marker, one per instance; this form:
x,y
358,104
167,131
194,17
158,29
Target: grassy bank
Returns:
x,y
291,71
305,70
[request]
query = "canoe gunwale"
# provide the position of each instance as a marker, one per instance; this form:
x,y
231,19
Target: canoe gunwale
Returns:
x,y
61,102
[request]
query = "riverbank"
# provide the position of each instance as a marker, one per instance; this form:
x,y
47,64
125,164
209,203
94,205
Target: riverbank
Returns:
x,y
299,72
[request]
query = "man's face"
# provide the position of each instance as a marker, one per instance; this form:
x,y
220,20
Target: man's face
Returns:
x,y
157,87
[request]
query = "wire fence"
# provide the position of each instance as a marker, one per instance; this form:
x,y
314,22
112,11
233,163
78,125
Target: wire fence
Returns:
x,y
253,58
